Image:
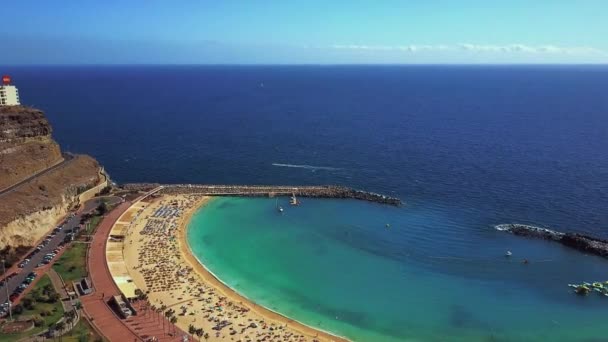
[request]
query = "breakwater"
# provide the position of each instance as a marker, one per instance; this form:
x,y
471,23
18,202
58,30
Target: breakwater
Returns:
x,y
583,243
325,191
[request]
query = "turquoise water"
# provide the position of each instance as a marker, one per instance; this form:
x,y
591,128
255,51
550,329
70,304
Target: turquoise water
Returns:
x,y
433,275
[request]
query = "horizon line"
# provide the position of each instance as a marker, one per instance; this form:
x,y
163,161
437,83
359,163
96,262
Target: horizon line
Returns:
x,y
307,64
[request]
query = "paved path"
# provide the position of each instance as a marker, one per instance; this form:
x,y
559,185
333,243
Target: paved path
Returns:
x,y
140,327
66,159
95,306
59,288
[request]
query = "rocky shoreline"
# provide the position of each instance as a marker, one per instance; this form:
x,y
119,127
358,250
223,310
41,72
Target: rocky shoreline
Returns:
x,y
584,243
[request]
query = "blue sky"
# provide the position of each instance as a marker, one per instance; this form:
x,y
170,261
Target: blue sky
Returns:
x,y
311,32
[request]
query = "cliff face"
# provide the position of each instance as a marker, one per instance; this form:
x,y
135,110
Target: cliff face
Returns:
x,y
30,210
26,146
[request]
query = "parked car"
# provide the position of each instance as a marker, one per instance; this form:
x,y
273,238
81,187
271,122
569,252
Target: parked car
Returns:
x,y
24,262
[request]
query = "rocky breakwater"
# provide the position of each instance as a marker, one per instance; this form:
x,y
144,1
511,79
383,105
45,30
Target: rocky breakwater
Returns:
x,y
583,243
37,185
325,191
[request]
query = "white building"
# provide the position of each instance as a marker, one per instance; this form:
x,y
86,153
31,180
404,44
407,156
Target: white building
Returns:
x,y
9,96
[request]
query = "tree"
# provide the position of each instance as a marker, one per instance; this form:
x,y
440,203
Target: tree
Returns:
x,y
191,329
102,208
28,303
59,326
70,317
54,297
18,309
38,321
48,289
173,321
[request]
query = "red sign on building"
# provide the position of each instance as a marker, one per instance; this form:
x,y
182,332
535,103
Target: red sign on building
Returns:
x,y
6,80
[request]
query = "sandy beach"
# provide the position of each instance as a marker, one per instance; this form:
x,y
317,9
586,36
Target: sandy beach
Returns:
x,y
159,262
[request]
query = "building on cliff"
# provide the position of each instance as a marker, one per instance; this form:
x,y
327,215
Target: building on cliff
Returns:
x,y
9,96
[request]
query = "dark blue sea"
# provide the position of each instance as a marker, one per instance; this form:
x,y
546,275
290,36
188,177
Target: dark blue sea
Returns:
x,y
466,147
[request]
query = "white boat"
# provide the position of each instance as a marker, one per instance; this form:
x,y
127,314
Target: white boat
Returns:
x,y
279,208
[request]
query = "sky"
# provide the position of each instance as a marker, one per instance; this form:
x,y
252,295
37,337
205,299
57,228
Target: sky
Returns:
x,y
304,32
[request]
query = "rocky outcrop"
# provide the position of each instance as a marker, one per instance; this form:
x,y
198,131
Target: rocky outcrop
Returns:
x,y
586,244
26,146
42,185
583,243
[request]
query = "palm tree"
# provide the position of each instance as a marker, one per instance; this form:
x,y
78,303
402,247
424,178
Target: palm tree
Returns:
x,y
162,309
167,316
191,329
173,321
59,326
69,317
153,308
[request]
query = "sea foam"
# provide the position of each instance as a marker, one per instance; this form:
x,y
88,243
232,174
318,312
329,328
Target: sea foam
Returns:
x,y
308,167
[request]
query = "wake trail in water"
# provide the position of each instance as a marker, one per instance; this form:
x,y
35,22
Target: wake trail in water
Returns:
x,y
308,167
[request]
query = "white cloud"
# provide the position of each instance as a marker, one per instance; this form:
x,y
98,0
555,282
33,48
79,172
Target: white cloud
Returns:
x,y
479,48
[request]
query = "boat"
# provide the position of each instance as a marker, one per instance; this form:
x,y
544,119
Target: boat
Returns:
x,y
293,200
279,208
508,254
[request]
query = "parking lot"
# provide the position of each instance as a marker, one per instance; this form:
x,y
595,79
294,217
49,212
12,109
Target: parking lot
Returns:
x,y
34,264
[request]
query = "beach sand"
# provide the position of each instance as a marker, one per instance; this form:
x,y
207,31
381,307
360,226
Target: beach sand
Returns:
x,y
159,261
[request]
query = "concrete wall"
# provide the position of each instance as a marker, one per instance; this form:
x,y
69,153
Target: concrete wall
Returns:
x,y
87,195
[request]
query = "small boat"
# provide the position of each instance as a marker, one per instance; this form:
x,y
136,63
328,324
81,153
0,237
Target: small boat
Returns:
x,y
508,254
279,208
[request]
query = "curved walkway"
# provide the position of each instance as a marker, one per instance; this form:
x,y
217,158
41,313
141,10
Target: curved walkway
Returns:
x,y
136,328
95,306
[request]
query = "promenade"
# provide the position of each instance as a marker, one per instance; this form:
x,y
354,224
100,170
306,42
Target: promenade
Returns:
x,y
147,325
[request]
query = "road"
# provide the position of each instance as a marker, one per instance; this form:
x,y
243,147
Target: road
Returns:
x,y
69,223
67,157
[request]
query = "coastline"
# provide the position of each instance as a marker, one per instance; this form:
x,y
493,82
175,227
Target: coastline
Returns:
x,y
210,278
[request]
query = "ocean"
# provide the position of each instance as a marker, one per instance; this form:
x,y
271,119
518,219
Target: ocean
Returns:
x,y
466,148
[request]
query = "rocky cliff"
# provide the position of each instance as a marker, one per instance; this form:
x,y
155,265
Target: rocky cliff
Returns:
x,y
42,184
26,146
